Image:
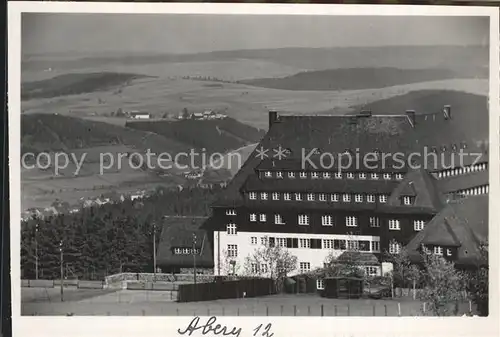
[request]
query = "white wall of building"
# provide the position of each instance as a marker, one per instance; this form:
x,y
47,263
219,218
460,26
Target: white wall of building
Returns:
x,y
316,257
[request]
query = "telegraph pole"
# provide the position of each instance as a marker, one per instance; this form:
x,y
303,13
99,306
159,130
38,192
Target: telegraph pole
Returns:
x,y
62,270
36,251
154,252
194,257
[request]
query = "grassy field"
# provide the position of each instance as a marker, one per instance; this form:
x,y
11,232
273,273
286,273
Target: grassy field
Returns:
x,y
158,303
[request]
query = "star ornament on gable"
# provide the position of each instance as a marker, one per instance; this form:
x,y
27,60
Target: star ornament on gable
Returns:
x,y
280,153
261,153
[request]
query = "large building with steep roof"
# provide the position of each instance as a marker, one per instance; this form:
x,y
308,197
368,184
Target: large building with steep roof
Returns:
x,y
322,185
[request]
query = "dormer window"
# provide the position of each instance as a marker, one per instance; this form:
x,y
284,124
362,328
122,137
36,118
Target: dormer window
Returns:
x,y
443,148
276,196
374,176
449,252
362,176
382,198
438,250
418,225
263,196
253,217
322,197
346,198
387,176
327,175
268,174
291,175
370,198
287,196
358,198
252,196
406,200
350,175
399,176
279,175
298,196
310,197
315,175
334,197
303,175
262,217
230,212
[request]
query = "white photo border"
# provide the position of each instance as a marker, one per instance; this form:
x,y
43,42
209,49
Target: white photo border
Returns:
x,y
293,326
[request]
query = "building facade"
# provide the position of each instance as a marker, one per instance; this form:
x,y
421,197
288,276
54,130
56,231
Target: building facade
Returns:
x,y
319,186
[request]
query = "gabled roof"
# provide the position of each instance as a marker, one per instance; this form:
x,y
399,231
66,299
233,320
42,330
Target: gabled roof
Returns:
x,y
462,224
177,232
420,185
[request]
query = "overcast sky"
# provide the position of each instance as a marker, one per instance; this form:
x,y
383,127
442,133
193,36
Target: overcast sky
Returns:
x,y
94,33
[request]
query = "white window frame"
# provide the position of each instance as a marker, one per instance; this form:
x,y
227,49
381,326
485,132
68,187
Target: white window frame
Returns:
x,y
262,217
351,221
327,175
279,175
406,200
374,176
314,175
387,176
346,197
298,197
320,284
362,176
338,175
370,198
327,243
382,198
374,222
231,212
334,197
231,229
252,195
263,196
280,242
263,268
438,250
449,252
399,176
253,240
287,196
394,225
375,246
276,196
232,250
358,198
264,240
291,175
303,175
418,225
253,217
327,220
304,267
394,247
310,196
303,219
278,219
268,174
305,243
322,197
350,175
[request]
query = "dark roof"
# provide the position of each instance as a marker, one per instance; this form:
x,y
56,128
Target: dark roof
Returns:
x,y
420,185
359,257
342,162
387,134
177,232
462,224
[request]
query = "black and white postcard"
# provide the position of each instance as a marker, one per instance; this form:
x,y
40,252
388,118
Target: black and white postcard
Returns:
x,y
253,170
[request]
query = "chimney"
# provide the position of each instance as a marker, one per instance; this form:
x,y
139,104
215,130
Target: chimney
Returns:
x,y
411,117
447,112
273,117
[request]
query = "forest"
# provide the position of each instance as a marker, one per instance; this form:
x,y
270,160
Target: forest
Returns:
x,y
104,240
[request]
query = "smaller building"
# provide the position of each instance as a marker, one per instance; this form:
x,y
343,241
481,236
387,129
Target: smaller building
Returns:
x,y
139,115
184,244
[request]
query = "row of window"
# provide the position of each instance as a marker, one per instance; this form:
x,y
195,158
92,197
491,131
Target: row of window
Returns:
x,y
332,244
474,191
461,170
334,197
186,251
259,268
335,175
438,250
328,221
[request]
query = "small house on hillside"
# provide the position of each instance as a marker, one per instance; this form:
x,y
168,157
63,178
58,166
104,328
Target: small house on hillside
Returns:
x,y
139,115
183,242
197,115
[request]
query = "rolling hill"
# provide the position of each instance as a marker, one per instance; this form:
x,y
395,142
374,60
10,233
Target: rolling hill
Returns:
x,y
361,78
75,83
